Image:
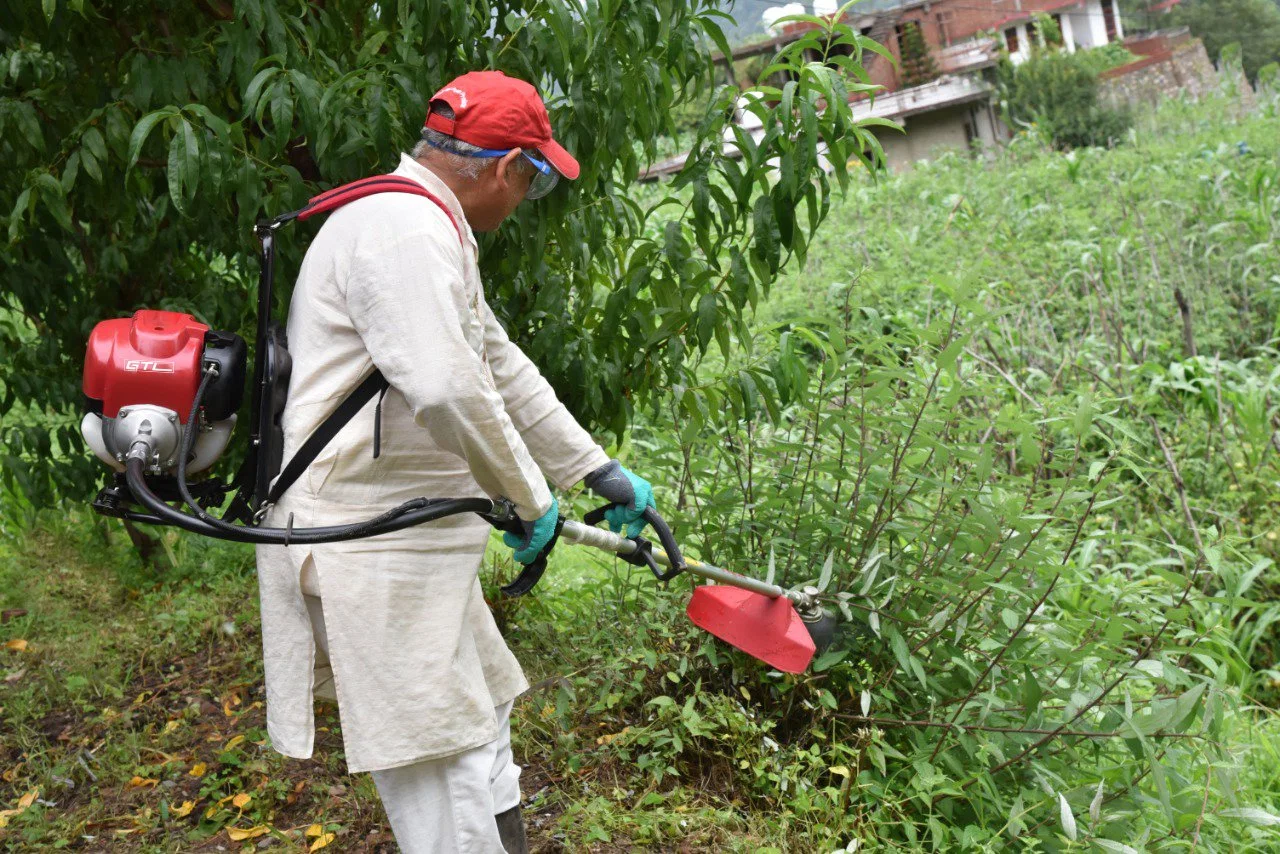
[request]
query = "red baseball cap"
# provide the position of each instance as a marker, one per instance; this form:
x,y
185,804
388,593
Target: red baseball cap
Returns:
x,y
492,110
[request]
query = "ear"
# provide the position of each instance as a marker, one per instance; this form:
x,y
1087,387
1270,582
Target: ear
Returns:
x,y
504,170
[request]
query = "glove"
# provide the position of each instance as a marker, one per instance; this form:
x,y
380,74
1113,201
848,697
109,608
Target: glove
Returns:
x,y
536,535
629,494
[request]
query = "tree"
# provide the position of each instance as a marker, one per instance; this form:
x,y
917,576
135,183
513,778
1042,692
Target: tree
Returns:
x,y
1059,92
1253,24
918,65
140,142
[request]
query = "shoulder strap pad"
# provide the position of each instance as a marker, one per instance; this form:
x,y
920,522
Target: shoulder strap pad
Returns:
x,y
375,384
333,199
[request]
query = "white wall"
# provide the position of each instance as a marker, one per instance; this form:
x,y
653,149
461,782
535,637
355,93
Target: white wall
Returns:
x,y
929,134
1083,26
1068,33
1088,25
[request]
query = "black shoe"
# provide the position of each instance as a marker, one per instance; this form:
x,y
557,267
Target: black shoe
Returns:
x,y
511,831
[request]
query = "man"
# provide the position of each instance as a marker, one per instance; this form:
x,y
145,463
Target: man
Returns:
x,y
395,627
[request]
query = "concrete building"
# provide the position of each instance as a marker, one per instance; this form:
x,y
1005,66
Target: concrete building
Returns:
x,y
945,98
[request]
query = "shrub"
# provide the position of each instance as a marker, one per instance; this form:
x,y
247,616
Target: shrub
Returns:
x,y
1058,93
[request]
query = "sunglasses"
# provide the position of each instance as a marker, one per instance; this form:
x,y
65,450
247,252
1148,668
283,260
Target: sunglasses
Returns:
x,y
543,182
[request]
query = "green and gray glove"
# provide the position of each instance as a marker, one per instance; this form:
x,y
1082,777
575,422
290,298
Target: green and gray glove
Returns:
x,y
536,535
629,493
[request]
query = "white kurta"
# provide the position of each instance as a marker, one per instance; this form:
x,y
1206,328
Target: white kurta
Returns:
x,y
418,663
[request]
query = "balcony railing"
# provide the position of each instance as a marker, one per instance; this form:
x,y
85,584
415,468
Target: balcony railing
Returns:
x,y
934,95
967,55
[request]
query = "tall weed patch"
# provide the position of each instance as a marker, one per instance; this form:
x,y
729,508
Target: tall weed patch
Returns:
x,y
1026,446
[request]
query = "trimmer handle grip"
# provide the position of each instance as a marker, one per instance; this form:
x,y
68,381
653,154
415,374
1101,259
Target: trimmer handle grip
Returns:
x,y
530,573
665,537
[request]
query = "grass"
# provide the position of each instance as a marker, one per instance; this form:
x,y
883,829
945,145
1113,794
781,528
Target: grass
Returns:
x,y
132,705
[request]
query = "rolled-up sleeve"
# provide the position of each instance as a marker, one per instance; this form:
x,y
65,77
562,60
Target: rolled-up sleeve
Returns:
x,y
407,298
564,451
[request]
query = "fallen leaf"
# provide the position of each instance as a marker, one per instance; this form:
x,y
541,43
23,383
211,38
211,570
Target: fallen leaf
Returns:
x,y
198,769
25,801
16,645
233,742
139,782
171,726
314,830
321,842
9,775
241,800
182,811
238,834
15,676
11,614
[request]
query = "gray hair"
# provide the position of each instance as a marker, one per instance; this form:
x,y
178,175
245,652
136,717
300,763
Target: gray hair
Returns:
x,y
460,155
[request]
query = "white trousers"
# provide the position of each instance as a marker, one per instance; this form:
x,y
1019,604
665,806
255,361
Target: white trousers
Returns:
x,y
441,806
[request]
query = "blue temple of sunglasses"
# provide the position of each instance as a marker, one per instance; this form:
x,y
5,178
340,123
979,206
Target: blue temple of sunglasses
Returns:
x,y
542,184
541,165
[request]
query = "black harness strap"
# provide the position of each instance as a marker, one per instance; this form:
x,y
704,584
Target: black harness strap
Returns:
x,y
252,475
375,386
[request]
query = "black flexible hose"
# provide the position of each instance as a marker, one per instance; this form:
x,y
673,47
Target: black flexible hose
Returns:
x,y
413,512
188,443
423,510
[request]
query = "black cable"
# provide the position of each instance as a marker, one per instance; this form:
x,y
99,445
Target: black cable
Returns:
x,y
413,512
424,510
188,443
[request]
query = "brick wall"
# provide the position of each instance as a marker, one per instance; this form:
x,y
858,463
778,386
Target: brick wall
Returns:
x,y
1175,70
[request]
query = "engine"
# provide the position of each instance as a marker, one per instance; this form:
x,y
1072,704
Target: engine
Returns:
x,y
141,374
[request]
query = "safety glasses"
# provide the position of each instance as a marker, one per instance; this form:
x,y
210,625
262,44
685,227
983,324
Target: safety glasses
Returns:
x,y
543,182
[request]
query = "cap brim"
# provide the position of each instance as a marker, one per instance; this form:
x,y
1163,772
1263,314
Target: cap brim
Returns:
x,y
560,159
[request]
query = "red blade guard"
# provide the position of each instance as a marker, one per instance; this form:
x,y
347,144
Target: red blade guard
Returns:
x,y
763,628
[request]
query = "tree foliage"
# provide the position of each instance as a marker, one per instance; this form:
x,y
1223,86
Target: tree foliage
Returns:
x,y
1058,92
918,64
140,142
1253,24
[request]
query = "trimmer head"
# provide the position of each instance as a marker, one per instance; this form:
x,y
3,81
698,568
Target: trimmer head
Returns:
x,y
764,628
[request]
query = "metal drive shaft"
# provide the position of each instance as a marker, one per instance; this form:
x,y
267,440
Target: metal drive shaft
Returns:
x,y
599,538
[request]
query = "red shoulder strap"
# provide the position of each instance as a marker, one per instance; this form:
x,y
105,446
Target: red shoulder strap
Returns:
x,y
339,196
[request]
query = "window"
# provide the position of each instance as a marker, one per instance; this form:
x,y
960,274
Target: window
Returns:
x,y
1058,39
1011,39
944,19
1109,18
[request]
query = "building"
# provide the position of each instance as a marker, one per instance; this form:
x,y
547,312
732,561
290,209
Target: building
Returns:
x,y
941,88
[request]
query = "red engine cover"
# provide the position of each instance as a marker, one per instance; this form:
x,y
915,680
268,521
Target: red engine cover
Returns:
x,y
152,357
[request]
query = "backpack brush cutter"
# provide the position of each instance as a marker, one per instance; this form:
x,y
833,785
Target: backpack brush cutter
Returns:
x,y
163,391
